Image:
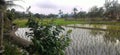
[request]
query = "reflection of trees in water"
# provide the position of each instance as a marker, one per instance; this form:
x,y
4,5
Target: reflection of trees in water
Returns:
x,y
96,32
85,43
112,36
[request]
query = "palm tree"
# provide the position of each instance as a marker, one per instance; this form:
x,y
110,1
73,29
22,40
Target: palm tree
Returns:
x,y
75,12
61,13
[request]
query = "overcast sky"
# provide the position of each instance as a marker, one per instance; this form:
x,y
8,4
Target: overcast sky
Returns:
x,y
52,6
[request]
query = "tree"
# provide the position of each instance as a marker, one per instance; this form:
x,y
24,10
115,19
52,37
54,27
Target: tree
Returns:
x,y
96,12
93,12
51,16
41,16
112,9
75,13
65,16
101,12
82,14
60,13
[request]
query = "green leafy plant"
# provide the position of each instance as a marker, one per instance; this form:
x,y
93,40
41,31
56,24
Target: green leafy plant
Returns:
x,y
48,39
11,49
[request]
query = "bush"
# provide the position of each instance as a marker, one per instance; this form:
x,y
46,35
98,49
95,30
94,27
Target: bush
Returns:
x,y
47,39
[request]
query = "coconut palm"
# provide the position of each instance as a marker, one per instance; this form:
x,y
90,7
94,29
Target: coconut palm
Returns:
x,y
75,12
61,13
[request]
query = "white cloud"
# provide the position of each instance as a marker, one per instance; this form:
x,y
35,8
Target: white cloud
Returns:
x,y
52,6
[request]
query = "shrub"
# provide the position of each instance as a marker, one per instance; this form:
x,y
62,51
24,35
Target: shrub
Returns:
x,y
47,39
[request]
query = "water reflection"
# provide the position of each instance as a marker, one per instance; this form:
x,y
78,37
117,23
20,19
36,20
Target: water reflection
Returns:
x,y
93,42
90,42
88,26
112,34
96,32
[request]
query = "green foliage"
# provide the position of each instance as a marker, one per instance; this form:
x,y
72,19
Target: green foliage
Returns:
x,y
82,14
47,39
20,22
96,12
112,9
75,12
11,49
32,23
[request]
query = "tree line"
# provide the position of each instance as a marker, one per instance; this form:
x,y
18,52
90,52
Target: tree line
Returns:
x,y
110,11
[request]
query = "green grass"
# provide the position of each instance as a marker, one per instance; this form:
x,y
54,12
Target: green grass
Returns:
x,y
22,22
63,22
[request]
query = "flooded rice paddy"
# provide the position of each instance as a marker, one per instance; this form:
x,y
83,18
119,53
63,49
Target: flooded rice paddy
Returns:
x,y
93,42
88,42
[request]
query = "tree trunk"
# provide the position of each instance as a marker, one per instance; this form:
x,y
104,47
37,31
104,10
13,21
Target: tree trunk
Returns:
x,y
1,31
17,40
